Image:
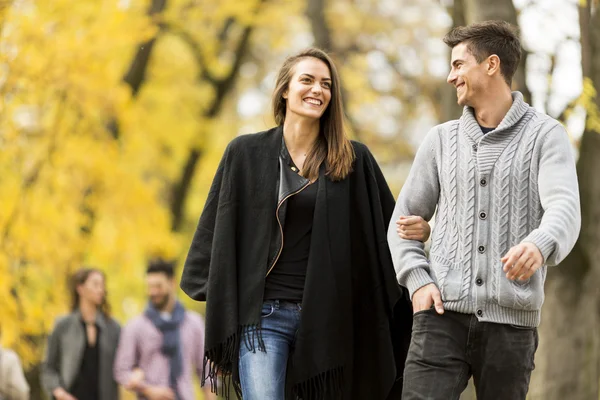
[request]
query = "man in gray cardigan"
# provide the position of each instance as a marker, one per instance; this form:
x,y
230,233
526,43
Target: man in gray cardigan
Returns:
x,y
503,180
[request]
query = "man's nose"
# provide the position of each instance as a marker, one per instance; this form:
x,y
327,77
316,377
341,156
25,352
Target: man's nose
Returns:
x,y
451,78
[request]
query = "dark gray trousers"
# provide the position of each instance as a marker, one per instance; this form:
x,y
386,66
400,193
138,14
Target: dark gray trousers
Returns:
x,y
446,350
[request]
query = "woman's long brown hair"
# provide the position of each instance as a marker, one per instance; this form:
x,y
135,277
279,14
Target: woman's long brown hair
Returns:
x,y
79,278
332,146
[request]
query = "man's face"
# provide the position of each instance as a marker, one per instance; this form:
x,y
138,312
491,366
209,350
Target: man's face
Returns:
x,y
467,76
160,289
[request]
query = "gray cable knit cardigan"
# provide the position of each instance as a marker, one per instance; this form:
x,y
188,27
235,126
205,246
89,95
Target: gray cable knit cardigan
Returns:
x,y
515,184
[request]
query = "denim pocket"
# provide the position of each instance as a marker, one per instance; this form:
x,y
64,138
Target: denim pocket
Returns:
x,y
267,310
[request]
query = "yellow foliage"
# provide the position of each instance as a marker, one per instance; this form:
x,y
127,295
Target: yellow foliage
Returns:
x,y
71,194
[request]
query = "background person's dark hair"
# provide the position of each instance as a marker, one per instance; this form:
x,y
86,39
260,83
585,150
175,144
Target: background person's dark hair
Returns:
x,y
79,278
490,37
158,265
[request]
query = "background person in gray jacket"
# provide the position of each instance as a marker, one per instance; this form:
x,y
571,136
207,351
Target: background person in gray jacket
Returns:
x,y
81,349
504,183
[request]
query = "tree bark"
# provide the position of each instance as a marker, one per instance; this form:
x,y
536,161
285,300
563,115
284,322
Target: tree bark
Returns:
x,y
569,355
315,11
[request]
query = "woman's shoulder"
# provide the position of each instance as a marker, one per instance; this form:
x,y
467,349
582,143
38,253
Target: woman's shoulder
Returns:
x,y
249,140
112,323
361,151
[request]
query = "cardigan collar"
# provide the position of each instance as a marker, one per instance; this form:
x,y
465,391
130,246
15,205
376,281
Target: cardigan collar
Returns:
x,y
517,110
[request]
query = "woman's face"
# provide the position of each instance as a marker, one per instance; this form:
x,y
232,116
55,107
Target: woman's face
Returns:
x,y
309,90
93,289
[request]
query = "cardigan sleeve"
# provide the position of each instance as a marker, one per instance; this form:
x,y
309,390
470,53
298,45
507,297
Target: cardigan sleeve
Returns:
x,y
194,279
419,196
559,195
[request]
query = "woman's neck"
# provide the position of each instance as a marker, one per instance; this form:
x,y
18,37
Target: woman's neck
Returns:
x,y
300,134
88,311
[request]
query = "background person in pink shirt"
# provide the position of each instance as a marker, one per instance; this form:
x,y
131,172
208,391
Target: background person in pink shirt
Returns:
x,y
159,350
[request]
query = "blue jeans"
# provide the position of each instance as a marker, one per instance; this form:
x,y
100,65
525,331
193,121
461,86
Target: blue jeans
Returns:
x,y
262,373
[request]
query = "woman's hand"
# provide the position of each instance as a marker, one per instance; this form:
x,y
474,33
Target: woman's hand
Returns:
x,y
413,228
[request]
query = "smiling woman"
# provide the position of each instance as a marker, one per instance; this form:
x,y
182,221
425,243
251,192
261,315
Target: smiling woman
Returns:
x,y
288,254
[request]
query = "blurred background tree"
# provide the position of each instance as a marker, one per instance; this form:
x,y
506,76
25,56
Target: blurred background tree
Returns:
x,y
114,115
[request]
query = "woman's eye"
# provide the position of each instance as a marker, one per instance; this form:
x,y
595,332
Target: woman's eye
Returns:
x,y
327,85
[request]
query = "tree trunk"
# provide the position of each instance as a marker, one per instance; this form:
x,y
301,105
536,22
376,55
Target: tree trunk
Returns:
x,y
315,12
568,358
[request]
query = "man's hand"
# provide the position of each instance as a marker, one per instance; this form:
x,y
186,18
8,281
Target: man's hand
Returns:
x,y
61,394
521,261
158,393
427,296
413,228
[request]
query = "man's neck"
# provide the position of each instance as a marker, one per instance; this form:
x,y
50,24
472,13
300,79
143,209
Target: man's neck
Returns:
x,y
169,307
493,108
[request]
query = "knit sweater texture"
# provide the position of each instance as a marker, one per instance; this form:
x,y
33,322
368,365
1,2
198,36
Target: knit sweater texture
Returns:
x,y
515,184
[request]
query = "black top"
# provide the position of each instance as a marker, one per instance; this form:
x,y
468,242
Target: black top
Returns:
x,y
485,129
86,386
286,280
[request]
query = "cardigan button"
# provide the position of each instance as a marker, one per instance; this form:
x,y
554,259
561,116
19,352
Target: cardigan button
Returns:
x,y
483,181
479,281
481,249
474,146
482,215
479,313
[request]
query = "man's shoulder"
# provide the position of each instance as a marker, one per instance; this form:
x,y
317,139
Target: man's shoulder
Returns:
x,y
542,122
446,127
136,323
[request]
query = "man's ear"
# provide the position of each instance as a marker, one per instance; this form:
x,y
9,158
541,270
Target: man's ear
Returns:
x,y
493,65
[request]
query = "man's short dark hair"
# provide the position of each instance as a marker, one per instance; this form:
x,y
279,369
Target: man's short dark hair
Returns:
x,y
161,266
490,37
